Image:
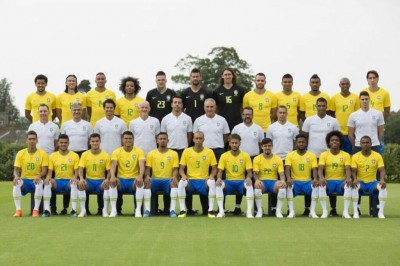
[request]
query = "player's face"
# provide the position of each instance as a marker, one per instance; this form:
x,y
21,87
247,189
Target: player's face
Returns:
x,y
43,113
177,105
301,144
227,76
267,148
31,140
198,139
63,144
287,84
161,81
95,143
282,114
345,86
234,144
144,109
109,109
77,111
247,116
101,81
127,141
334,142
321,108
41,85
260,82
364,100
130,87
372,80
71,83
162,141
365,144
315,84
209,108
195,79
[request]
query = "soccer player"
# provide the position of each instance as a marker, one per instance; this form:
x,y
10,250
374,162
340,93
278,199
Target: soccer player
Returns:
x,y
64,163
342,105
238,169
308,106
97,165
160,97
379,97
289,98
334,172
161,174
301,177
145,128
262,101
66,99
194,96
197,161
128,106
365,164
110,128
40,96
96,97
229,98
30,167
130,162
266,168
47,131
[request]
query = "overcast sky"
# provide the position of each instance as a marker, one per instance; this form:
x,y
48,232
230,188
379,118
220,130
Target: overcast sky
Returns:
x,y
331,38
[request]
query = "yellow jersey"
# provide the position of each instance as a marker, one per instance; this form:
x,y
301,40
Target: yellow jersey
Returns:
x,y
34,100
96,165
343,107
94,100
301,165
308,103
128,110
334,165
379,99
268,169
262,105
162,164
198,163
235,166
64,166
65,101
367,166
31,164
292,103
128,162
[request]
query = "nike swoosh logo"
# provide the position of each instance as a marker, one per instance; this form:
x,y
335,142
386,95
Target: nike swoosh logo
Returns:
x,y
153,98
187,97
221,93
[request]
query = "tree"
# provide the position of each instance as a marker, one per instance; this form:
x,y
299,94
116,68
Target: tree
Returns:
x,y
211,68
392,128
84,86
7,100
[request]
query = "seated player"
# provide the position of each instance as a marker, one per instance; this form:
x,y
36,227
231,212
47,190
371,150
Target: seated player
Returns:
x,y
238,169
130,162
266,169
334,172
197,160
29,167
365,164
161,174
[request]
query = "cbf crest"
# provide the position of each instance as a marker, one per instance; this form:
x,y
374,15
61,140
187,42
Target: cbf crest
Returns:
x,y
373,161
37,159
341,159
266,100
294,100
274,165
169,158
168,98
134,156
235,92
48,100
101,161
241,161
70,160
204,157
201,97
308,160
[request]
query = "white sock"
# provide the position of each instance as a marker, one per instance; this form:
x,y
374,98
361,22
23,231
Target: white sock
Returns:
x,y
17,195
82,199
139,198
258,198
354,198
147,197
113,198
382,198
314,198
211,194
219,193
289,196
74,196
106,199
182,194
249,197
281,199
38,195
346,198
174,197
322,197
46,197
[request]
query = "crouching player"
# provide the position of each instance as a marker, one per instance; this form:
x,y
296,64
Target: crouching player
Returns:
x,y
197,160
301,176
65,165
97,165
365,165
334,172
29,167
266,168
236,164
130,162
161,174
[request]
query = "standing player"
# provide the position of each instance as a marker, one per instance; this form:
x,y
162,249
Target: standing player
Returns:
x,y
160,97
290,99
194,96
29,167
266,169
128,106
161,174
229,98
66,99
301,177
380,98
130,162
96,97
64,163
40,96
262,101
365,164
334,172
238,169
197,160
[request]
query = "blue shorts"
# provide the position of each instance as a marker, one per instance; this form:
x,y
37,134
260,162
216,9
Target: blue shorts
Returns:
x,y
160,184
232,186
369,188
199,186
29,186
62,185
126,185
269,185
302,187
94,185
347,147
334,186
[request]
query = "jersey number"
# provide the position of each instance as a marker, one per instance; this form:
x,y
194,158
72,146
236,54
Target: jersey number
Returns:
x,y
228,99
162,165
301,167
235,168
63,167
160,104
30,166
197,164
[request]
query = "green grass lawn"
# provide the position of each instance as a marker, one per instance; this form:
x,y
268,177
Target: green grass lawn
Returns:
x,y
198,240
